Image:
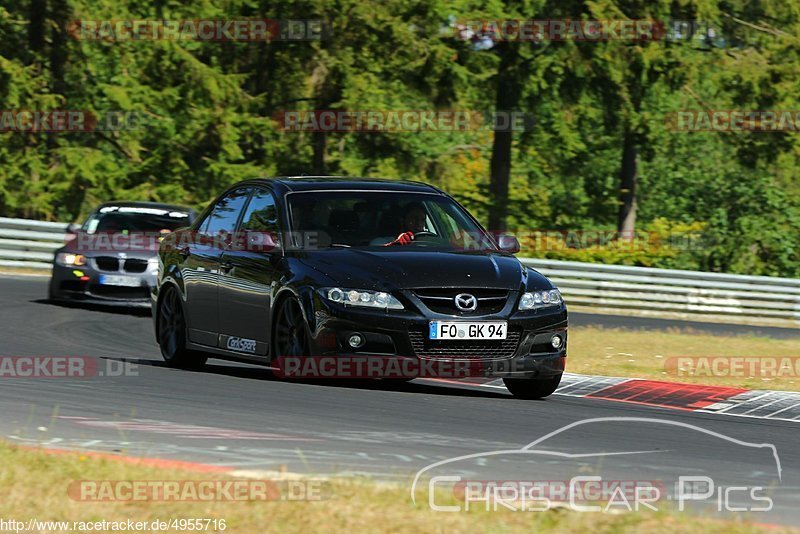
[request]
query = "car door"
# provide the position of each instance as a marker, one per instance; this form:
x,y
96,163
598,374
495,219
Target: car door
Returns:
x,y
201,266
249,269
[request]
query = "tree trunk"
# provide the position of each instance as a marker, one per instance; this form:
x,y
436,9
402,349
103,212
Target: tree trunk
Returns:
x,y
319,142
500,177
58,49
36,28
626,223
506,100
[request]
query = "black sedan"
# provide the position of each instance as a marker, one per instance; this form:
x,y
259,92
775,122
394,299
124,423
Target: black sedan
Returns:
x,y
343,270
112,257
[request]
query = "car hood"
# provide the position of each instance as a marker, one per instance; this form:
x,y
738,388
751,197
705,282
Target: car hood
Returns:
x,y
368,269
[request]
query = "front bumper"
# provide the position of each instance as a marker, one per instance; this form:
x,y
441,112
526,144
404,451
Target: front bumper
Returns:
x,y
403,334
85,284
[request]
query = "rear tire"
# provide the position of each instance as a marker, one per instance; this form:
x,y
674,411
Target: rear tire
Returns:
x,y
172,333
532,388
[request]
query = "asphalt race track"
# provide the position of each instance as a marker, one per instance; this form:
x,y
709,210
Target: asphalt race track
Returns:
x,y
647,323
240,416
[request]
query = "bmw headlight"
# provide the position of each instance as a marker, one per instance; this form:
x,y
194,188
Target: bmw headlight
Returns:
x,y
69,259
540,299
361,297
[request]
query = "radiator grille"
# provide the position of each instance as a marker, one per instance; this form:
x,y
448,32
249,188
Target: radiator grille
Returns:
x,y
442,300
462,349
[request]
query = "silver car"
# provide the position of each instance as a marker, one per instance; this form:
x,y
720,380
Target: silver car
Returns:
x,y
112,258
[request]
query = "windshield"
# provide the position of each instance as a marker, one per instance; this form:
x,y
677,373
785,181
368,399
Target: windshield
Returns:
x,y
129,219
392,220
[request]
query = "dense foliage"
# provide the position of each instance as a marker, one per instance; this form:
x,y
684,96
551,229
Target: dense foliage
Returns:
x,y
602,155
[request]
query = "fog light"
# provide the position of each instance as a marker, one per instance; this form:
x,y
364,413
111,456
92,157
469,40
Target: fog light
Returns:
x,y
356,341
556,342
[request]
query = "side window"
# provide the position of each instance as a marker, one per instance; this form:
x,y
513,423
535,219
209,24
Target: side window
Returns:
x,y
202,227
260,222
222,221
262,214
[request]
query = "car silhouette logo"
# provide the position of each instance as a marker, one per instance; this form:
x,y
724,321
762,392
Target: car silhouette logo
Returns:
x,y
466,302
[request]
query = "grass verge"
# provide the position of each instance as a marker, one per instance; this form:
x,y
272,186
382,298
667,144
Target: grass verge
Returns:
x,y
34,485
652,354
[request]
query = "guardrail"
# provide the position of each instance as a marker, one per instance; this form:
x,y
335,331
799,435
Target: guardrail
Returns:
x,y
29,244
675,293
600,288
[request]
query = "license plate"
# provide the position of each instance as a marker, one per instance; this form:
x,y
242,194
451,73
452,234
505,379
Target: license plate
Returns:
x,y
461,330
126,281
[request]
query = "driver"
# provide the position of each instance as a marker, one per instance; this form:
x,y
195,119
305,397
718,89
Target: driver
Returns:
x,y
413,222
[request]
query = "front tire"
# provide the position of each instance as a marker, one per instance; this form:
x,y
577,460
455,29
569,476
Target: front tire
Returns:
x,y
532,388
291,332
172,333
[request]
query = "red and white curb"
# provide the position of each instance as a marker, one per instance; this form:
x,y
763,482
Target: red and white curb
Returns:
x,y
761,404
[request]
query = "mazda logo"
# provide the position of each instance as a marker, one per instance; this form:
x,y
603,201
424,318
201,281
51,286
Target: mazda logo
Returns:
x,y
466,302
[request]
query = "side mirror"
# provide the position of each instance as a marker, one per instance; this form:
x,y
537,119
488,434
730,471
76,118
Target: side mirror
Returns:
x,y
72,232
261,241
508,243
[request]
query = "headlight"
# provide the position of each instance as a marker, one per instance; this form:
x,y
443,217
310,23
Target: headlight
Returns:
x,y
361,297
152,265
66,258
540,299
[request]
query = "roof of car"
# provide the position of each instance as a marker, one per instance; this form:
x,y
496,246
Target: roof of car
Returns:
x,y
331,183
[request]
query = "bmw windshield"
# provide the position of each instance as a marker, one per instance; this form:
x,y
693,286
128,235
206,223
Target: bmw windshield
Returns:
x,y
134,219
390,220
